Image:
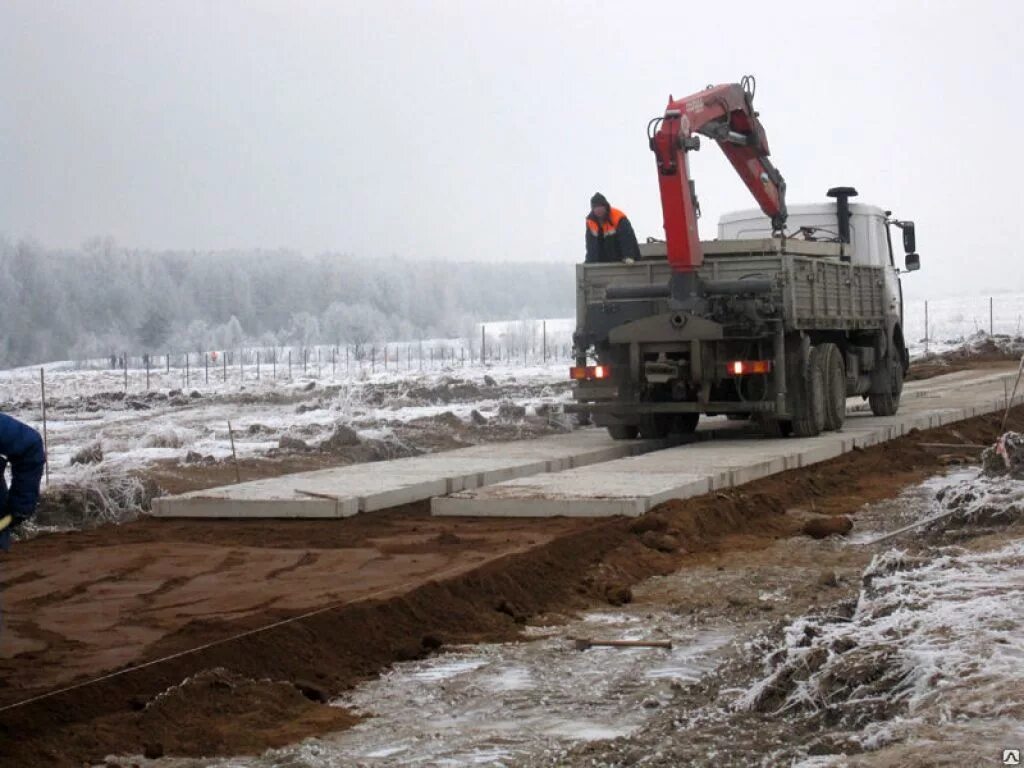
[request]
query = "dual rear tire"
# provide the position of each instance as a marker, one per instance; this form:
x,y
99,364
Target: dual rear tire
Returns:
x,y
818,390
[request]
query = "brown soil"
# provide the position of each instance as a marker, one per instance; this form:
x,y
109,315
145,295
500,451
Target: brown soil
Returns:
x,y
384,587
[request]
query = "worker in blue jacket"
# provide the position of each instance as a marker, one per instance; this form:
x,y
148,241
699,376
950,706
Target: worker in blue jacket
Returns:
x,y
22,448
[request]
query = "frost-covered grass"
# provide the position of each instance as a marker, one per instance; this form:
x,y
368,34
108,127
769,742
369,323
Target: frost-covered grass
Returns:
x,y
166,421
931,641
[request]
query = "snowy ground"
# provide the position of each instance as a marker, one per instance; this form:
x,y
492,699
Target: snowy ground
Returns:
x,y
393,412
953,319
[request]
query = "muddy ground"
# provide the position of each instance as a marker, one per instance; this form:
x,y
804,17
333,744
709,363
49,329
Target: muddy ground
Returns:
x,y
86,604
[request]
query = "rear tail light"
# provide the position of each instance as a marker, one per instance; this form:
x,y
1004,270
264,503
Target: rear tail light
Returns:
x,y
748,367
589,372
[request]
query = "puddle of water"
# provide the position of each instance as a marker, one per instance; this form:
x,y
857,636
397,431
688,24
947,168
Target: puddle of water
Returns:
x,y
447,668
499,704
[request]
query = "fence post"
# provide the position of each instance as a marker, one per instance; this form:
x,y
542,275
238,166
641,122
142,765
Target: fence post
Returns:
x,y
206,367
46,441
167,359
187,381
124,360
991,324
926,330
224,360
305,354
147,372
289,362
544,340
483,343
257,365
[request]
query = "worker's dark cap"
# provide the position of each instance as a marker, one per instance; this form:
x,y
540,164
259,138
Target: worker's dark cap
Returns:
x,y
599,199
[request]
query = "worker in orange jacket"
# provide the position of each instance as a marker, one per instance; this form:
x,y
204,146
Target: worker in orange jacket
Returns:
x,y
610,236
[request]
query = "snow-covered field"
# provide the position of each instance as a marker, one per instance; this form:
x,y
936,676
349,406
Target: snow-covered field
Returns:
x,y
167,421
953,319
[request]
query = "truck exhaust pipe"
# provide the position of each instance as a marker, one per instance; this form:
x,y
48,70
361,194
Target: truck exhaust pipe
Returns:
x,y
842,196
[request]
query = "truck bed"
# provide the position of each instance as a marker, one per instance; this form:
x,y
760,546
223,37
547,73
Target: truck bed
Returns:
x,y
814,288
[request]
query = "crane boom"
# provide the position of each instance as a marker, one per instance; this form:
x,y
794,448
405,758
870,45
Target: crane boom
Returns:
x,y
726,114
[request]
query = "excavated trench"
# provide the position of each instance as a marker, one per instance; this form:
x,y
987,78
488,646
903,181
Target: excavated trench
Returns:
x,y
268,688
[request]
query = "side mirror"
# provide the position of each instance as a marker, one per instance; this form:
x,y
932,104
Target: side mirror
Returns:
x,y
913,261
909,239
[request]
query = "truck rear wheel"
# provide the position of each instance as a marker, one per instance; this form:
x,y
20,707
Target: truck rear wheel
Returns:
x,y
807,388
685,423
623,431
774,427
656,426
835,385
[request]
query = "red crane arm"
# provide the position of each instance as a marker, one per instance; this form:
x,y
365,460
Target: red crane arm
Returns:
x,y
726,114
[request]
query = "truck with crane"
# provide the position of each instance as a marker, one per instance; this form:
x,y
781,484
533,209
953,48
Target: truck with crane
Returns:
x,y
783,316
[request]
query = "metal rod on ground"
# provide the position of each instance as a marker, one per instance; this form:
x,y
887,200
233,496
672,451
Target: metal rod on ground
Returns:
x,y
910,527
46,441
234,456
972,446
583,644
1009,403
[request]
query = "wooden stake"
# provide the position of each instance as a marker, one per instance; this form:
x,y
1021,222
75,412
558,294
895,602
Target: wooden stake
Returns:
x,y
234,456
1009,403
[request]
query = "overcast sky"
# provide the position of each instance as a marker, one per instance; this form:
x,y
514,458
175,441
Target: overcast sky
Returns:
x,y
479,130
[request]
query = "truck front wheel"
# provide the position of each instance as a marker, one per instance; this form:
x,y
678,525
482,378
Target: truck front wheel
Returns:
x,y
887,403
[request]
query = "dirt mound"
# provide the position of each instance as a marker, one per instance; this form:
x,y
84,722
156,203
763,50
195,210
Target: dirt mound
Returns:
x,y
221,712
823,527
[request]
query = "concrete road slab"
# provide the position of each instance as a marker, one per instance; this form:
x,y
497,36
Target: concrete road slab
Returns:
x,y
344,491
632,486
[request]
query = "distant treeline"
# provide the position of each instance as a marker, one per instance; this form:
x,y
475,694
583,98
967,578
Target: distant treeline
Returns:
x,y
105,300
